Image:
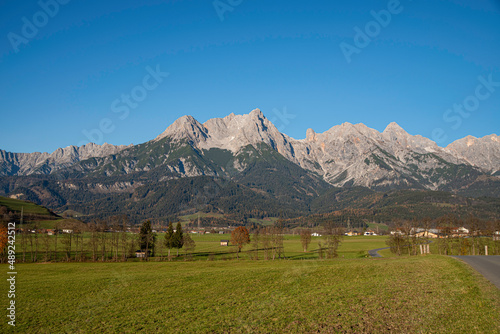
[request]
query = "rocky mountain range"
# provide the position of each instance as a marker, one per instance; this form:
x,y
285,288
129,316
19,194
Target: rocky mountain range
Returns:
x,y
346,153
249,151
46,163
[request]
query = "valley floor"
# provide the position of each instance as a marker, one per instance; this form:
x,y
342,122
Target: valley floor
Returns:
x,y
434,294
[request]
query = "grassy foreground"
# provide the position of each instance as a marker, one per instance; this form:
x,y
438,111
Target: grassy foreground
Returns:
x,y
404,295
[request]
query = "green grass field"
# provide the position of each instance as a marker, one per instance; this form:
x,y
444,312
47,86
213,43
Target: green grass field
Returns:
x,y
208,245
428,294
28,207
375,226
351,247
193,217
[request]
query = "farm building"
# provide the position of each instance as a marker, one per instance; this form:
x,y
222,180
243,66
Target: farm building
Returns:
x,y
426,234
224,242
141,253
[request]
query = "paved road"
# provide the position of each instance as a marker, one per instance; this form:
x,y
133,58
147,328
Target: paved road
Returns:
x,y
488,266
374,252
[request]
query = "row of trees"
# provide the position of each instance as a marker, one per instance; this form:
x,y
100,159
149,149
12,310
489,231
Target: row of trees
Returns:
x,y
268,241
410,234
112,241
96,241
173,239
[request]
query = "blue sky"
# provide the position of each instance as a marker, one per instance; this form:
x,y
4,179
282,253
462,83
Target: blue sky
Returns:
x,y
83,71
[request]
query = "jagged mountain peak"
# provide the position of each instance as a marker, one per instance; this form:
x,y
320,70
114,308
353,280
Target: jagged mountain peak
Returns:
x,y
185,127
393,126
480,152
44,163
231,132
470,141
395,132
257,113
494,137
311,135
347,128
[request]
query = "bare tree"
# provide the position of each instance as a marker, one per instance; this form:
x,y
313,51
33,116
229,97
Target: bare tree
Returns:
x,y
56,234
473,224
67,241
94,240
265,236
189,245
77,232
115,238
36,241
103,240
24,241
305,238
255,243
46,246
30,241
124,245
333,237
396,239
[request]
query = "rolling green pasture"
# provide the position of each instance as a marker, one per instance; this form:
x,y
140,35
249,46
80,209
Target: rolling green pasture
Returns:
x,y
431,294
28,207
193,217
351,247
208,245
52,224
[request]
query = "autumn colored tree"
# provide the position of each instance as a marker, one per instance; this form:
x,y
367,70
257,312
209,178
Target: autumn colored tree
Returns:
x,y
305,238
240,237
3,239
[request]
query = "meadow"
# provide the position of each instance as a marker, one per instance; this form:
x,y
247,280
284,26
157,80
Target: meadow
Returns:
x,y
219,294
350,248
207,245
431,294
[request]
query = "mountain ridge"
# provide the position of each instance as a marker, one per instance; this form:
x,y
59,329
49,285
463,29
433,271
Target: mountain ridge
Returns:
x,y
344,155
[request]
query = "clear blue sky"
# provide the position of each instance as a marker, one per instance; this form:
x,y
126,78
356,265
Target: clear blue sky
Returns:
x,y
70,74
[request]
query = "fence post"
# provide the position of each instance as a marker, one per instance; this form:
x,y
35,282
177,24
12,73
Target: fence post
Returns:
x,y
485,249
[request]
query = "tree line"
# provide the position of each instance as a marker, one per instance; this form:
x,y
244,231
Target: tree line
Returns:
x,y
408,235
100,240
